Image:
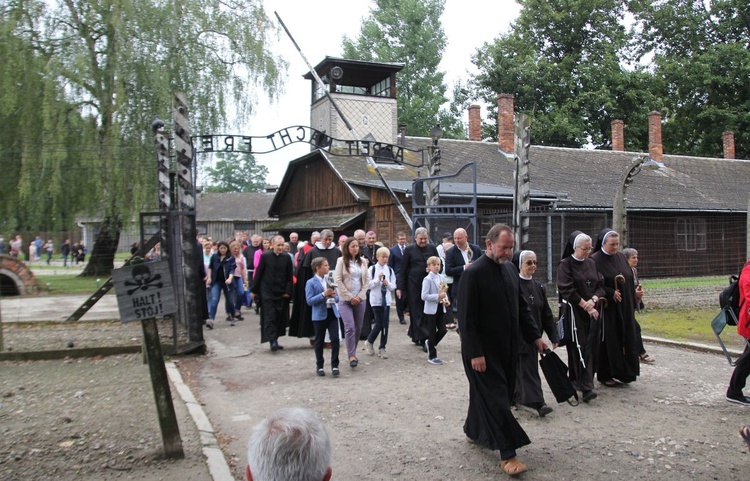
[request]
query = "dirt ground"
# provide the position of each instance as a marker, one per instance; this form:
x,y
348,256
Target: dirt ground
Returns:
x,y
400,418
88,419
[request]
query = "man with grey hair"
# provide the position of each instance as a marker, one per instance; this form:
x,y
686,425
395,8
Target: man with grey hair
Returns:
x,y
300,325
273,283
290,444
413,271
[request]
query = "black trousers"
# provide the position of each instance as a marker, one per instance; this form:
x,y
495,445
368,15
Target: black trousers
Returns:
x,y
740,374
436,330
331,324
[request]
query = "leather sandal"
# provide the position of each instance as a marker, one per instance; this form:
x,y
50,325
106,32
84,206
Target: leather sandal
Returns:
x,y
745,433
512,466
646,359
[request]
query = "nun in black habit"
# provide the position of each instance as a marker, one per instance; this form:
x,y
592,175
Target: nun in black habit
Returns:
x,y
529,384
580,286
617,360
492,318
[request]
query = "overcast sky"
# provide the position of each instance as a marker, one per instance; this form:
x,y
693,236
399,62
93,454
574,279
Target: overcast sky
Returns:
x,y
318,27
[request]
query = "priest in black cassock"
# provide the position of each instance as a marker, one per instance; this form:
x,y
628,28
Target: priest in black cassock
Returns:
x,y
492,316
300,325
413,272
618,349
529,384
273,283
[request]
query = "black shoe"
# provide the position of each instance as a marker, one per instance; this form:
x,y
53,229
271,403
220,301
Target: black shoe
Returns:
x,y
353,363
589,396
321,372
744,400
401,321
274,347
239,318
279,346
335,371
544,410
229,318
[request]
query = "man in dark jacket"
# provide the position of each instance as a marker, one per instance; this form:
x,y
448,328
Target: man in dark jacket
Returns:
x,y
273,283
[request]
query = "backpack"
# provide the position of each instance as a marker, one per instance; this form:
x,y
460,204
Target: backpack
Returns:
x,y
729,298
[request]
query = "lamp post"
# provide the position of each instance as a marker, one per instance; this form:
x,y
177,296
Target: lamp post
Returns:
x,y
433,186
619,206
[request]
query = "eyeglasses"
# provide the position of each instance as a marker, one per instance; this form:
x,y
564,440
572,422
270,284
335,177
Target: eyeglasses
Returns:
x,y
584,249
530,263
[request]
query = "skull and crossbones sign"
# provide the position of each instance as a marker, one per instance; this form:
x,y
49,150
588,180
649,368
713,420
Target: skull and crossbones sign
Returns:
x,y
142,279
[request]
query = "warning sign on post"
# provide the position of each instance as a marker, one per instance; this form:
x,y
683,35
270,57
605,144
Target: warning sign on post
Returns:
x,y
144,291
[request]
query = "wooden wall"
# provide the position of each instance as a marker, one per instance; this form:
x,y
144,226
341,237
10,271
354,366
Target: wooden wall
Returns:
x,y
316,188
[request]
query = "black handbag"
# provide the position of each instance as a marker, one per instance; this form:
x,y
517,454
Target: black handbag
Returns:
x,y
556,373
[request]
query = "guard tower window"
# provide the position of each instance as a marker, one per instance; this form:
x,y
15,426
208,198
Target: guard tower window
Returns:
x,y
382,88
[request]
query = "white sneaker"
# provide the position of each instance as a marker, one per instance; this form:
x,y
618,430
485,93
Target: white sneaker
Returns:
x,y
369,349
382,354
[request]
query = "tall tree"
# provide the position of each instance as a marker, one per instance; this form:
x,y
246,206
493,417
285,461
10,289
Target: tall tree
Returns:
x,y
410,32
120,60
565,62
42,140
235,172
701,57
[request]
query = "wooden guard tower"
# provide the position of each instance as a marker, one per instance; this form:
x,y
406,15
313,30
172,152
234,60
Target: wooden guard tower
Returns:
x,y
364,91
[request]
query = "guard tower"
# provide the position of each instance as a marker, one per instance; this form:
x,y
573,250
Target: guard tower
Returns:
x,y
364,91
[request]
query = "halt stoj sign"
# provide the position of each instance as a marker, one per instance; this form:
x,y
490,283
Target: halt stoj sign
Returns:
x,y
144,291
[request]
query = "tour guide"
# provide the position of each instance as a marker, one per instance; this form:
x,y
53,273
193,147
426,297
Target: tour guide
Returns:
x,y
491,311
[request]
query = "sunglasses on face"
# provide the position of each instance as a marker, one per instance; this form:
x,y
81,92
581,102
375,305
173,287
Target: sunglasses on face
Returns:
x,y
530,263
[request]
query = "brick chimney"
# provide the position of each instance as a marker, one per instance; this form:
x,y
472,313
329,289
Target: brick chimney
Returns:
x,y
505,123
618,135
655,149
475,123
727,138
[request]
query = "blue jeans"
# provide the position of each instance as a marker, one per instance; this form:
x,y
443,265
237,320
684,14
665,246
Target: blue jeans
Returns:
x,y
213,301
381,325
239,295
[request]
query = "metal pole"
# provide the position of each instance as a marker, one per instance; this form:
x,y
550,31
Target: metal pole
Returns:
x,y
619,205
370,160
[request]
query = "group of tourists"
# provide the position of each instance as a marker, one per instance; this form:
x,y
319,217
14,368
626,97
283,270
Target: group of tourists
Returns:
x,y
346,288
39,249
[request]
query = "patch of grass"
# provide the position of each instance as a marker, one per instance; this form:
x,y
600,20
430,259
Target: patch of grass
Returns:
x,y
68,284
666,283
692,325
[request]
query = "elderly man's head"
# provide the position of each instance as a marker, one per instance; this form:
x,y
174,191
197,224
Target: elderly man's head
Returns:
x,y
360,235
289,444
370,238
421,237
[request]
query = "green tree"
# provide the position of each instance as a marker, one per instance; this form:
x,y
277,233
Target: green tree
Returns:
x,y
566,63
234,172
119,62
701,58
42,140
410,32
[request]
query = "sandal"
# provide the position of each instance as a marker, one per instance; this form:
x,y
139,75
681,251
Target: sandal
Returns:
x,y
645,358
745,433
512,466
611,383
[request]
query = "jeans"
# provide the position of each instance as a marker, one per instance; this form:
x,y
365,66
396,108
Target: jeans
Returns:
x,y
353,316
330,324
381,325
213,302
239,294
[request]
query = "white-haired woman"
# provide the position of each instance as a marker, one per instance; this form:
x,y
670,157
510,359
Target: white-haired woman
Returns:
x,y
580,287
